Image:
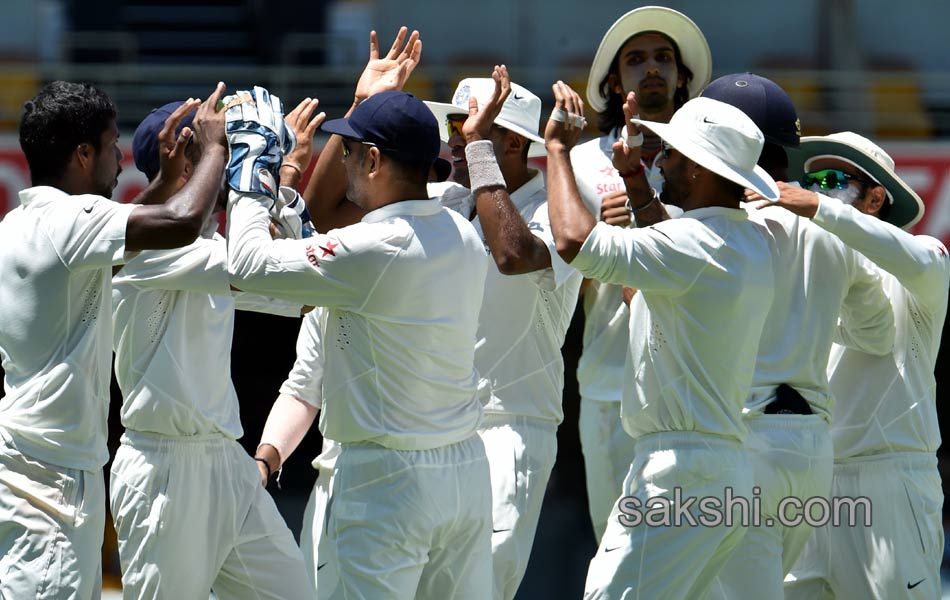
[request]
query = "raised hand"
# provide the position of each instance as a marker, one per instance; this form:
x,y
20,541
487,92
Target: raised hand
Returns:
x,y
208,123
567,121
480,118
613,209
626,150
300,122
391,71
171,151
800,201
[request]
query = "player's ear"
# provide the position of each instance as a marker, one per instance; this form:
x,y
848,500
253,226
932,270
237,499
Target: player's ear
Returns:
x,y
875,199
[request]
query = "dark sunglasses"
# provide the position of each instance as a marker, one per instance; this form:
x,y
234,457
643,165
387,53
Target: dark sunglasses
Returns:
x,y
453,124
832,179
346,149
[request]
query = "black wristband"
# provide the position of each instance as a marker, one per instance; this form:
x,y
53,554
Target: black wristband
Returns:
x,y
266,464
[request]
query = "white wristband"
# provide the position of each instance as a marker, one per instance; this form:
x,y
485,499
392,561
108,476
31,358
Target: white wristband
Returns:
x,y
631,142
483,170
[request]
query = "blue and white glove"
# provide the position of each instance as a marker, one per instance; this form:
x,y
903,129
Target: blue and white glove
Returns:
x,y
258,138
290,215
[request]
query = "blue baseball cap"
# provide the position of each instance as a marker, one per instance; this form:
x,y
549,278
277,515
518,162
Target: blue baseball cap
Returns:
x,y
397,123
764,101
145,140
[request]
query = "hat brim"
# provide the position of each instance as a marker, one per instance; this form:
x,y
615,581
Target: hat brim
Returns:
x,y
693,47
442,110
340,127
757,179
907,209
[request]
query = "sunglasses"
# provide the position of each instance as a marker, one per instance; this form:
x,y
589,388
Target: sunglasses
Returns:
x,y
346,149
453,124
832,179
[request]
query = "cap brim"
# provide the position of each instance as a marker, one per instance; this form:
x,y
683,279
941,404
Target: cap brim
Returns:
x,y
442,110
757,179
907,209
693,47
340,127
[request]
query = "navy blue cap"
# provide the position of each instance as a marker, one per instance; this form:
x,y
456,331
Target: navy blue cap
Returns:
x,y
763,101
399,124
145,140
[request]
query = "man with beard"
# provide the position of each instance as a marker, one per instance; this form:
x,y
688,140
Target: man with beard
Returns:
x,y
884,421
57,251
662,57
706,282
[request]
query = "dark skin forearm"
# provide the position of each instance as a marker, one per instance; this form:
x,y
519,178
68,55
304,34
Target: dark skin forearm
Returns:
x,y
325,194
513,247
570,219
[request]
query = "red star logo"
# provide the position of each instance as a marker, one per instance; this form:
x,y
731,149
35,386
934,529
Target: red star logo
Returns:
x,y
328,249
941,251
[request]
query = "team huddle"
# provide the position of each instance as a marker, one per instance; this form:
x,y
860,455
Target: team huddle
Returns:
x,y
758,323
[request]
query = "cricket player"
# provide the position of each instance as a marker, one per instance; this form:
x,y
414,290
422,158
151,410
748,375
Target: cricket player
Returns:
x,y
884,422
528,301
788,411
180,469
662,56
57,251
399,385
706,282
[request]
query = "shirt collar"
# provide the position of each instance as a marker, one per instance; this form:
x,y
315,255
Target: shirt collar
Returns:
x,y
41,191
736,214
408,208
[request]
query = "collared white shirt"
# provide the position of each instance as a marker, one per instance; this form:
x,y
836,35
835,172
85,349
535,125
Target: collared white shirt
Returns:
x,y
56,256
817,279
887,404
523,321
173,314
706,279
403,288
600,370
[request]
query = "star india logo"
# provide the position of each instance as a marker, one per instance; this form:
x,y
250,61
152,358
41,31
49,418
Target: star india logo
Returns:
x,y
461,96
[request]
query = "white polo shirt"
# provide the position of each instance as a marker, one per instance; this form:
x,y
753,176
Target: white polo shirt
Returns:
x,y
403,288
524,319
706,279
887,404
173,318
600,370
817,278
56,257
305,380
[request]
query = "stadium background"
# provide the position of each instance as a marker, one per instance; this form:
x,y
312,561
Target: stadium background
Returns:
x,y
871,66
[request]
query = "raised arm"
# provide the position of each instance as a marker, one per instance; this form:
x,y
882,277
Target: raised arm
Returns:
x,y
326,191
179,220
643,203
513,247
571,222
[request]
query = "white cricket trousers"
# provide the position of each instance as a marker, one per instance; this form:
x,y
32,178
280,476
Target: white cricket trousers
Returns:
x,y
403,524
51,524
659,558
792,457
608,452
314,544
899,555
191,516
521,454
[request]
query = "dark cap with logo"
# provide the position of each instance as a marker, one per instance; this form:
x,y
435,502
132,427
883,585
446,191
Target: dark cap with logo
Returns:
x,y
397,123
145,140
764,101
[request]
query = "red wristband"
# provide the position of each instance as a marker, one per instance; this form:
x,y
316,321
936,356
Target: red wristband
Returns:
x,y
632,172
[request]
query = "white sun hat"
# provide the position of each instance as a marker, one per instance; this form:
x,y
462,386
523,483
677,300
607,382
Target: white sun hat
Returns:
x,y
721,138
694,50
521,112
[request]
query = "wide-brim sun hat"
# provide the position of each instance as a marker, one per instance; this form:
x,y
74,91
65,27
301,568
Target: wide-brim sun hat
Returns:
x,y
907,208
721,138
692,44
521,112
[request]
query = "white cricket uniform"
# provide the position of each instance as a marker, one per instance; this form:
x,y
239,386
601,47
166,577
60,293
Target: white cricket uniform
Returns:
x,y
56,256
885,429
791,455
521,330
607,448
399,390
189,509
706,280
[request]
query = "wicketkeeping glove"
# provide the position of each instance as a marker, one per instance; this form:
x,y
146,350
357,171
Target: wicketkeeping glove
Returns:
x,y
258,138
291,216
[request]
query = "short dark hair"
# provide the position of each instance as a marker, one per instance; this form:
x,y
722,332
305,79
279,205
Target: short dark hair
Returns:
x,y
415,173
774,158
612,116
62,116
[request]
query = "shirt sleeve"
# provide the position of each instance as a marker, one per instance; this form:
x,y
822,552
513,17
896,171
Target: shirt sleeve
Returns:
x,y
647,258
553,277
89,232
305,380
339,268
198,267
919,262
866,322
266,305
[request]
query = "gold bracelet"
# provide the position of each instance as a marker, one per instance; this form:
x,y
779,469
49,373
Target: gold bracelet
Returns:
x,y
294,167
